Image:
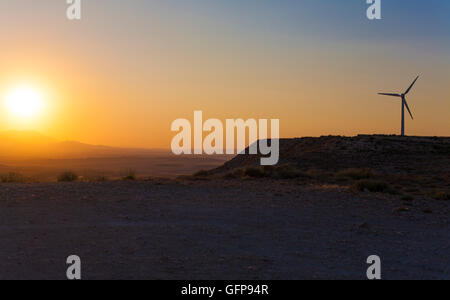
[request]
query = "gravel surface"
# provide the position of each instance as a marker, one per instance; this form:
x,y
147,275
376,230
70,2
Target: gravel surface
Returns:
x,y
251,229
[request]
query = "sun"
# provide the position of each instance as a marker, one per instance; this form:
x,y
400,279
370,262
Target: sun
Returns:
x,y
24,102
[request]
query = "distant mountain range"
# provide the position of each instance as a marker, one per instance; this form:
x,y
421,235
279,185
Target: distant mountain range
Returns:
x,y
33,145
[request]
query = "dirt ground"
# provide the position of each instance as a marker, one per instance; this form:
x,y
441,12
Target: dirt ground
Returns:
x,y
251,229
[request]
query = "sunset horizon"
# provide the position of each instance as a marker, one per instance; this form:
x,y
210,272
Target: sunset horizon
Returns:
x,y
101,84
224,147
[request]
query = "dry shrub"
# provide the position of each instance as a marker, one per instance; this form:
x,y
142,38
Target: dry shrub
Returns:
x,y
67,176
442,195
202,173
255,172
285,171
13,178
236,173
356,174
374,186
129,174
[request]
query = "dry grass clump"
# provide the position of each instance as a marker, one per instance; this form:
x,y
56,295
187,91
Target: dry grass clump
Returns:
x,y
356,174
288,172
100,178
373,186
319,175
202,173
94,178
255,172
407,198
128,174
68,176
236,173
275,172
442,195
197,176
13,177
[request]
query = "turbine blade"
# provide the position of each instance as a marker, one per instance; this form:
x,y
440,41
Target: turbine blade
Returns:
x,y
410,87
407,107
393,95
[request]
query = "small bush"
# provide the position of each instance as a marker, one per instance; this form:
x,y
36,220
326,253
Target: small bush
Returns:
x,y
319,175
202,173
68,176
407,198
13,178
356,174
413,190
445,196
254,172
100,178
93,177
374,186
236,173
129,174
288,172
276,172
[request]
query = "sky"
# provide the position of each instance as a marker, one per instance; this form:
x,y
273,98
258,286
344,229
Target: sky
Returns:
x,y
128,69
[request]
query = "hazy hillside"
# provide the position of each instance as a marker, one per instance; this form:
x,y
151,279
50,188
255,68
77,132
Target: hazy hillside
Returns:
x,y
43,158
33,145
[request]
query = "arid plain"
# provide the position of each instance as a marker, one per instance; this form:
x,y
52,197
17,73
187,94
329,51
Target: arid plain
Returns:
x,y
299,220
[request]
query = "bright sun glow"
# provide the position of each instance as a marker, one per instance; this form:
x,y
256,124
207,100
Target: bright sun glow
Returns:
x,y
24,102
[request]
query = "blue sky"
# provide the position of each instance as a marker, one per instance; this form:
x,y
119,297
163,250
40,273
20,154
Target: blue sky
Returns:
x,y
402,19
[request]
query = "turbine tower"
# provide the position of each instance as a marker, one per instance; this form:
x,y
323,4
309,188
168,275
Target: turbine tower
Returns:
x,y
404,103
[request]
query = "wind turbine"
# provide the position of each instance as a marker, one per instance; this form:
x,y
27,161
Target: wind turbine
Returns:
x,y
404,103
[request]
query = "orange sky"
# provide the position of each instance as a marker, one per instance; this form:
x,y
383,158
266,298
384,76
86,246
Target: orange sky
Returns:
x,y
121,78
